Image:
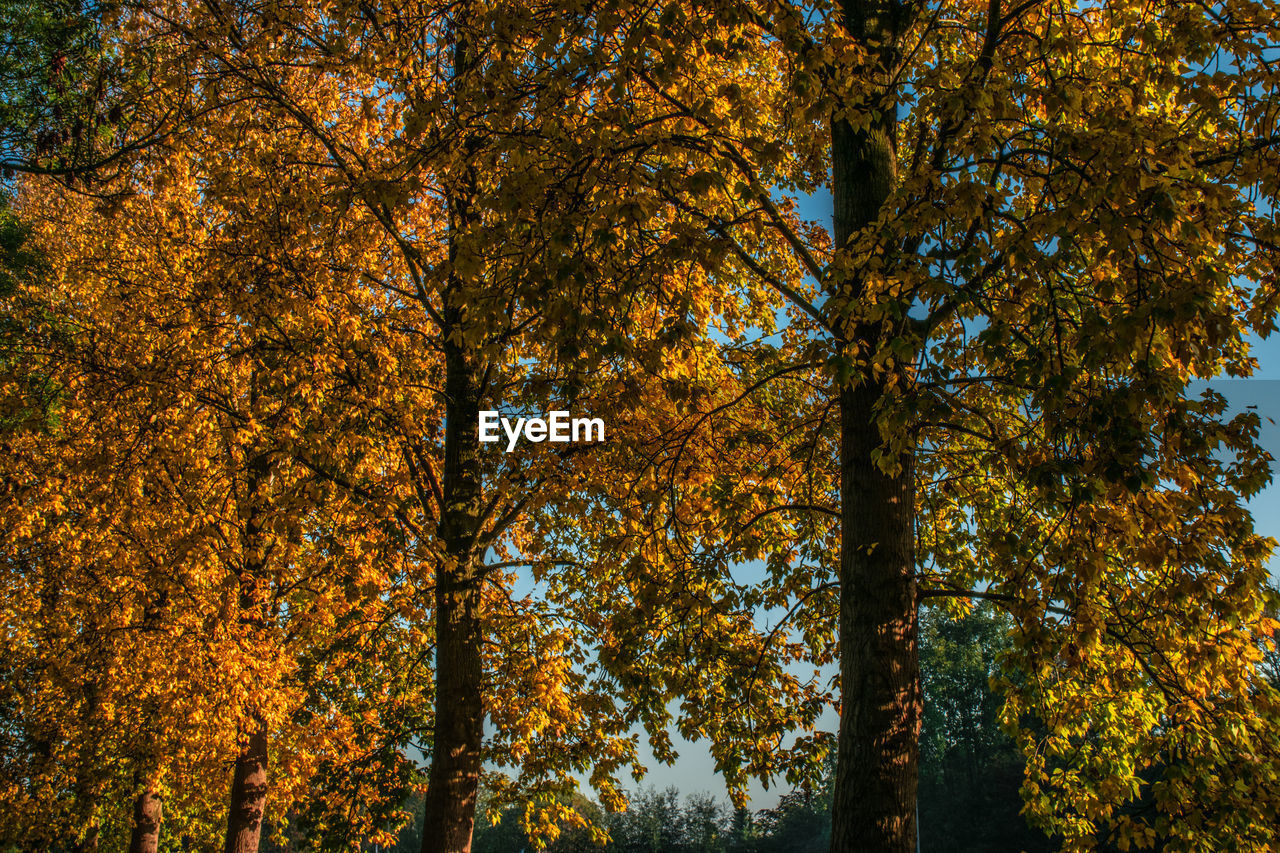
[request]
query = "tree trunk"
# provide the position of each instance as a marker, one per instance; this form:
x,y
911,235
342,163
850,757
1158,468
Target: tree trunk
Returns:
x,y
878,747
148,810
249,778
88,782
454,777
453,780
248,792
148,805
874,807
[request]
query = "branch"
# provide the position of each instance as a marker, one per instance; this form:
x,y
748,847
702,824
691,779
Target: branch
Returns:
x,y
744,166
988,596
776,283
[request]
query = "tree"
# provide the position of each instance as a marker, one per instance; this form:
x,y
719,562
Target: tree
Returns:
x,y
30,395
502,830
73,90
529,286
1046,221
183,587
385,141
970,769
800,823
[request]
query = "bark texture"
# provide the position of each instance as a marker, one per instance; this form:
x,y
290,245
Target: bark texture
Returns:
x,y
148,812
249,780
874,808
454,776
878,749
453,779
248,793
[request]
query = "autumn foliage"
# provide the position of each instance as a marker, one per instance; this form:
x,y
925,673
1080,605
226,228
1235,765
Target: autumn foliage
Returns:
x,y
262,579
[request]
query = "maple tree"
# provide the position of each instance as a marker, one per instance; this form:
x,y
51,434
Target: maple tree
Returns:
x,y
531,286
1047,220
182,584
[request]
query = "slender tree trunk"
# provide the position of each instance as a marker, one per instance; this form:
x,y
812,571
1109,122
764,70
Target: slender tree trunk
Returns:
x,y
148,811
874,807
248,792
148,805
249,780
454,777
87,783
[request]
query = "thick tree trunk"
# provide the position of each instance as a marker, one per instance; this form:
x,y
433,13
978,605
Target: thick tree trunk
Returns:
x,y
877,752
248,792
874,808
148,811
454,777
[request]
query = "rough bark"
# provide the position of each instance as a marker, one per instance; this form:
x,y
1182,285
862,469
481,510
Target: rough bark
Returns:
x,y
248,792
454,776
148,805
878,748
453,779
249,780
148,811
